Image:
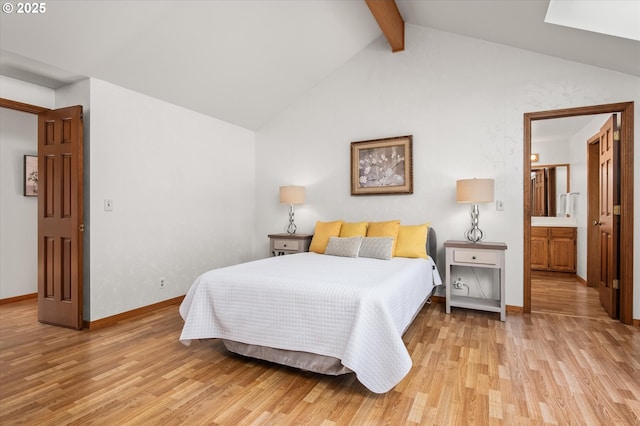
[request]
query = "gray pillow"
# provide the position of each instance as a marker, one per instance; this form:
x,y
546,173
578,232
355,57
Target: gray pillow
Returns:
x,y
377,247
345,247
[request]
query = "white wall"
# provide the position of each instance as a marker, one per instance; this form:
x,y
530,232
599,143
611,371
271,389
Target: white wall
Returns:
x,y
554,151
182,186
21,91
18,214
463,101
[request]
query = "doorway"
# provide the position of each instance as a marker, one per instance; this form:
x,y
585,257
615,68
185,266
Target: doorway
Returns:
x,y
626,198
60,213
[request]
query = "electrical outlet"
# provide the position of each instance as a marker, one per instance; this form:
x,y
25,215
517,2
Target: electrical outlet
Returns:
x,y
459,283
162,283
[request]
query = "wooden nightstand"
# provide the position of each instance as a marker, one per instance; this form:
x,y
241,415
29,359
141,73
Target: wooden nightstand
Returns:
x,y
476,255
281,244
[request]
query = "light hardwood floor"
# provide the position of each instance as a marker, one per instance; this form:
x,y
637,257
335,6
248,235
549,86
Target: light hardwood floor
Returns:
x,y
469,368
563,294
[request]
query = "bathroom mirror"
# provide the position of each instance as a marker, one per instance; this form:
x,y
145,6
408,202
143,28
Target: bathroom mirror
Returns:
x,y
550,189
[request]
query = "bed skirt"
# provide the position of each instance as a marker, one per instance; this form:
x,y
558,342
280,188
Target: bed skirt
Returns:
x,y
302,360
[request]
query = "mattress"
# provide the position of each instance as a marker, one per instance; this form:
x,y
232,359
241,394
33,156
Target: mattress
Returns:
x,y
350,309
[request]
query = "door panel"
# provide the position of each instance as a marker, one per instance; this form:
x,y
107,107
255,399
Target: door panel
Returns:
x,y
60,217
539,248
608,221
593,214
562,254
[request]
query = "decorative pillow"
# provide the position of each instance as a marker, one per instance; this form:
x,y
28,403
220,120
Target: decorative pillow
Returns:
x,y
345,247
412,241
354,229
385,229
377,248
324,231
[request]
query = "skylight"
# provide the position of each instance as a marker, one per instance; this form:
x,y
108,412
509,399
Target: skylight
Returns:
x,y
620,18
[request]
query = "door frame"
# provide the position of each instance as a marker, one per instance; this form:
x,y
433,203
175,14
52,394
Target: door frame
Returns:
x,y
626,197
20,106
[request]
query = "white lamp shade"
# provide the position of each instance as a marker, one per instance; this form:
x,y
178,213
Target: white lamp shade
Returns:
x,y
474,191
292,195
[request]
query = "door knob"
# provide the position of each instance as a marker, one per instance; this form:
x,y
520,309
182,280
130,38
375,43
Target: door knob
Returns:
x,y
597,223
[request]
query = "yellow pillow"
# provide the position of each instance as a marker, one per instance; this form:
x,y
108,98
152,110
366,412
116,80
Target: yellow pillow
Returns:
x,y
412,241
385,229
324,231
354,229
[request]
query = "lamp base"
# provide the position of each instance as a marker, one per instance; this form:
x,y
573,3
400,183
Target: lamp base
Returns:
x,y
474,234
292,228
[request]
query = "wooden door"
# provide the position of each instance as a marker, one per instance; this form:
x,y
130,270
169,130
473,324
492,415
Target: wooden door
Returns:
x,y
60,217
609,205
551,192
540,193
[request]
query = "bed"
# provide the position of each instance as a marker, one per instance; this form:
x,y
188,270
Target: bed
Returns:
x,y
317,312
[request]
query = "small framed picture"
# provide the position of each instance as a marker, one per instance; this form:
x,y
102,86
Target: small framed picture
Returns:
x,y
382,166
30,175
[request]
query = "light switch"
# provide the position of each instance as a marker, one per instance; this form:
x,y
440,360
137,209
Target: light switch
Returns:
x,y
499,205
108,205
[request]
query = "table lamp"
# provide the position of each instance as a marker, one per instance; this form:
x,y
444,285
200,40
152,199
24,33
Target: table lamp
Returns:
x,y
474,191
291,195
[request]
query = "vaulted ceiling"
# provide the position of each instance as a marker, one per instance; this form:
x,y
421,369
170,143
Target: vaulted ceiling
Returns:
x,y
244,61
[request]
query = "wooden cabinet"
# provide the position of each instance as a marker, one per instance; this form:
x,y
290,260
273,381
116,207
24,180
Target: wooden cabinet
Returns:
x,y
553,248
281,244
476,255
539,248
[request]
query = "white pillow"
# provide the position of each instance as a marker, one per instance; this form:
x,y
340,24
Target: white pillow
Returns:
x,y
345,247
377,248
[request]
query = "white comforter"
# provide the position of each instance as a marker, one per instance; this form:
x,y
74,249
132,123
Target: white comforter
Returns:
x,y
353,309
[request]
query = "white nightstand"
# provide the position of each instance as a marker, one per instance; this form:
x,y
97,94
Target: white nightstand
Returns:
x,y
476,255
280,244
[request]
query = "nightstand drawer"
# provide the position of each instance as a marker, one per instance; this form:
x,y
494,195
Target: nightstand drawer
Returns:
x,y
475,256
286,245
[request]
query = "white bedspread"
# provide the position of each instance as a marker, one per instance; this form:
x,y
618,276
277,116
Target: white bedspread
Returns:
x,y
353,309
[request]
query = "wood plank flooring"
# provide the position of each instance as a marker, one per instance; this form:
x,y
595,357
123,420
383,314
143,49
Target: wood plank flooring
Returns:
x,y
469,368
563,294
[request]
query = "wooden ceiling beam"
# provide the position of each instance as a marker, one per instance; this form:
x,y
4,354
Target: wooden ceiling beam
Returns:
x,y
390,22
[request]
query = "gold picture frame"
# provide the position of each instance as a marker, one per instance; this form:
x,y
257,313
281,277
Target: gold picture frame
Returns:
x,y
382,166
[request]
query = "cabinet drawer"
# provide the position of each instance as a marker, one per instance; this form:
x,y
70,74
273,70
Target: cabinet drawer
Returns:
x,y
474,256
539,231
286,245
563,233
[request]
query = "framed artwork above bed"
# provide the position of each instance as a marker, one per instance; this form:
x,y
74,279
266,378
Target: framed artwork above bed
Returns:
x,y
382,166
